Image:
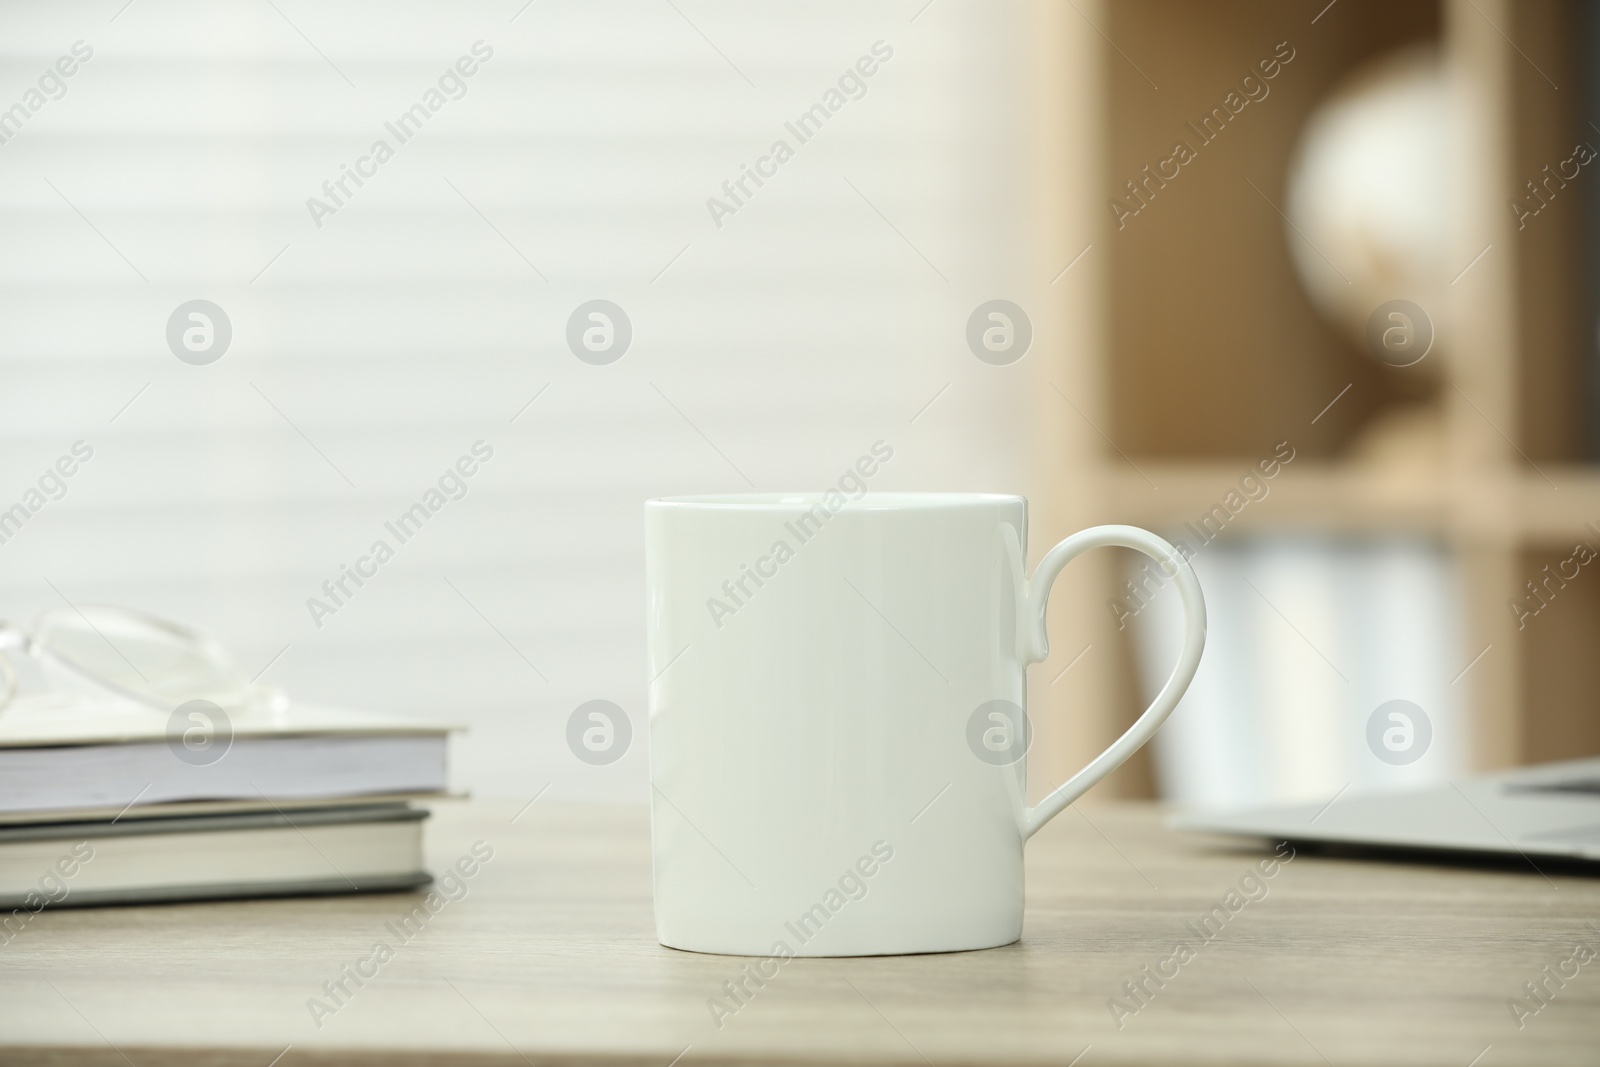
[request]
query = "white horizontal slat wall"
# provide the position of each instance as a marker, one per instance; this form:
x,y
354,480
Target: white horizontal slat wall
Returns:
x,y
823,316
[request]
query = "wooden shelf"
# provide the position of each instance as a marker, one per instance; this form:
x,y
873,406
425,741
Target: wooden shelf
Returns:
x,y
1307,495
1188,340
1509,509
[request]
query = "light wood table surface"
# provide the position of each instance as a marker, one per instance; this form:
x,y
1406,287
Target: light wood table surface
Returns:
x,y
550,958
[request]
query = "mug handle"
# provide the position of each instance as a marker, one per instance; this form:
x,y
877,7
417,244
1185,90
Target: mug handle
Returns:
x,y
1194,640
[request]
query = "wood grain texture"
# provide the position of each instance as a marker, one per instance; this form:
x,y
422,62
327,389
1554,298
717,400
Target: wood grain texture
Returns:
x,y
550,958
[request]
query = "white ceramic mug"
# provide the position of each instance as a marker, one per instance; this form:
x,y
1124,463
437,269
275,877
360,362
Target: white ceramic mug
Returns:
x,y
836,735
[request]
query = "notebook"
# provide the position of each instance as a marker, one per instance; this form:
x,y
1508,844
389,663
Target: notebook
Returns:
x,y
367,848
101,756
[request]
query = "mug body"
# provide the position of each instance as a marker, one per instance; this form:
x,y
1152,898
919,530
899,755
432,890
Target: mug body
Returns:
x,y
823,720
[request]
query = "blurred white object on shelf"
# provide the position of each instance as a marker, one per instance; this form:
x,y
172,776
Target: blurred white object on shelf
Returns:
x,y
1369,192
1307,637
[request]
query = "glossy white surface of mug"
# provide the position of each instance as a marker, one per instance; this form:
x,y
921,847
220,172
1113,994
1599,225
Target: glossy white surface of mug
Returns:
x,y
833,771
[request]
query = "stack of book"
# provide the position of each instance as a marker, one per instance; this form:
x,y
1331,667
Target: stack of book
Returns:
x,y
100,802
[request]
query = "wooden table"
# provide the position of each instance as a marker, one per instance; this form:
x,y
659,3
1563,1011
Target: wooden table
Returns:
x,y
550,958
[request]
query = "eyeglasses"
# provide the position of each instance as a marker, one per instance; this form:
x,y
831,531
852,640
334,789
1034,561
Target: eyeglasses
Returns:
x,y
134,655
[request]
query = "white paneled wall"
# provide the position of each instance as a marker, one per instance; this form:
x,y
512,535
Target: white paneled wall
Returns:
x,y
371,352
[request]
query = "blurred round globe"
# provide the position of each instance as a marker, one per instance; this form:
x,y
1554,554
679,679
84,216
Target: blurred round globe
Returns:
x,y
1369,189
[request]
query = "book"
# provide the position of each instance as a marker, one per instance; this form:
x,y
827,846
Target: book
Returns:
x,y
364,848
63,753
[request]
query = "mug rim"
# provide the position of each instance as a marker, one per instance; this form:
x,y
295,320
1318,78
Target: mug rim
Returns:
x,y
868,501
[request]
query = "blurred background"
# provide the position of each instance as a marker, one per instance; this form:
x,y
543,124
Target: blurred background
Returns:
x,y
1307,287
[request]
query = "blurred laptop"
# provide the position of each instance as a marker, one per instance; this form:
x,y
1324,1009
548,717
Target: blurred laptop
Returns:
x,y
1549,810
